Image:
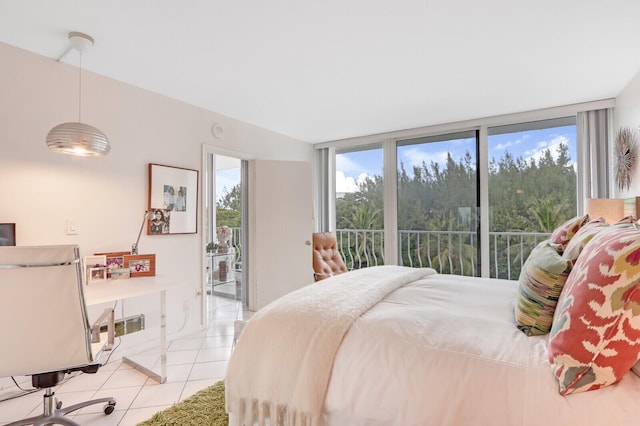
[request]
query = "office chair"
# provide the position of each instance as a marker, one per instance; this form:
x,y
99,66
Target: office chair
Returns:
x,y
327,261
45,330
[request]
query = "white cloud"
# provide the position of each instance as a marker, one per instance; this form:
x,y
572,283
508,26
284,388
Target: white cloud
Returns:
x,y
503,146
346,164
345,183
414,157
553,146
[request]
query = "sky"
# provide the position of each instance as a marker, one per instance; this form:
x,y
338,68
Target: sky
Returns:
x,y
353,167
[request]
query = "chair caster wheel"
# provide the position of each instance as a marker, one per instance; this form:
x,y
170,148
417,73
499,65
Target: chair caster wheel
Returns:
x,y
108,409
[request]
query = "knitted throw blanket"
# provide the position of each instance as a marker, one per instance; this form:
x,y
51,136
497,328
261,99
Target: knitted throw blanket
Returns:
x,y
281,366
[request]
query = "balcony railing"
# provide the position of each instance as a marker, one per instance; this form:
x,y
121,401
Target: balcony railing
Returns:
x,y
449,252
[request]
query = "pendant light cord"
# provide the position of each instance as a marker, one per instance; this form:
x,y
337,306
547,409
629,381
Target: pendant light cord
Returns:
x,y
80,91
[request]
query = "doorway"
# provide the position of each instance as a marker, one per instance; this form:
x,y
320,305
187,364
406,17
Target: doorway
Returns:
x,y
224,223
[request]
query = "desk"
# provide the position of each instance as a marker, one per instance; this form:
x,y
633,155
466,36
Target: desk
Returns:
x,y
112,290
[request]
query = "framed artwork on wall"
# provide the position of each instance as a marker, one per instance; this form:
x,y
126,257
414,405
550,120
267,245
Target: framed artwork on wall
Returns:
x,y
173,200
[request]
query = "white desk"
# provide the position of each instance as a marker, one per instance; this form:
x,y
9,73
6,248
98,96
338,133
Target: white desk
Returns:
x,y
112,290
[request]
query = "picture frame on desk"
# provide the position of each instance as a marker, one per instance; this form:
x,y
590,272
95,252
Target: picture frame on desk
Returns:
x,y
96,274
114,260
141,265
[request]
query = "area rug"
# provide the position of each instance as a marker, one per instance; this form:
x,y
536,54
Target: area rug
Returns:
x,y
205,408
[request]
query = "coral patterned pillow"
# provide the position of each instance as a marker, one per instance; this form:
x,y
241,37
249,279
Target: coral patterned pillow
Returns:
x,y
595,336
541,280
563,233
582,237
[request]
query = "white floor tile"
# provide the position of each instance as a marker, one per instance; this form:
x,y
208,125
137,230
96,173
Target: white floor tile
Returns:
x,y
186,344
137,415
124,397
166,394
218,341
123,378
182,357
193,386
178,373
100,419
208,370
213,354
19,408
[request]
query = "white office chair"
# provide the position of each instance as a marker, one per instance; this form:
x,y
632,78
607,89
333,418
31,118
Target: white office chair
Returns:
x,y
45,331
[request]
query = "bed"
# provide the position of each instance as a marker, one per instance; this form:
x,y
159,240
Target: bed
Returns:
x,y
392,345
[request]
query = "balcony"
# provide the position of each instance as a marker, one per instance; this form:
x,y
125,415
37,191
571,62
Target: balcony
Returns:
x,y
448,252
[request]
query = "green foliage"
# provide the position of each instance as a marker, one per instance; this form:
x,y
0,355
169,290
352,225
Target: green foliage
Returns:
x,y
228,208
524,196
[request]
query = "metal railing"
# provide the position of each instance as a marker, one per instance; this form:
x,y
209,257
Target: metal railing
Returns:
x,y
450,252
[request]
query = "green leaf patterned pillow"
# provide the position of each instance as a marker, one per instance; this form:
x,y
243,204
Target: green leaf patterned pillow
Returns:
x,y
541,280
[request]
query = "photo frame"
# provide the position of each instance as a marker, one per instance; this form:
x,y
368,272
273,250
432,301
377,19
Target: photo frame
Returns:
x,y
141,265
95,261
113,260
96,274
173,200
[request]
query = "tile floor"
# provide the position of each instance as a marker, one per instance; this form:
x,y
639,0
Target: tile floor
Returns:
x,y
193,363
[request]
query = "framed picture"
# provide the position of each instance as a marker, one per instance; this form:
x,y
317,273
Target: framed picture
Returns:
x,y
96,274
95,261
7,234
141,265
173,200
113,260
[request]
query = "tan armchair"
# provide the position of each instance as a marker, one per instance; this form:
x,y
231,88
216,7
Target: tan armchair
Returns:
x,y
327,261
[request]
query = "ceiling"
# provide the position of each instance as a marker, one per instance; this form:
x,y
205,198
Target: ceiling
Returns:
x,y
334,69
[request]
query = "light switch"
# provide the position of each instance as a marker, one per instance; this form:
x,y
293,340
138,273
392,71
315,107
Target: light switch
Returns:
x,y
72,227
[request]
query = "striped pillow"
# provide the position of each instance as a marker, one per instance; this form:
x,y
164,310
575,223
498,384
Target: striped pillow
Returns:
x,y
541,280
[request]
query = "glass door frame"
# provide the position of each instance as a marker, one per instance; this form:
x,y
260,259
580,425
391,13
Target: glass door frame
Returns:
x,y
208,229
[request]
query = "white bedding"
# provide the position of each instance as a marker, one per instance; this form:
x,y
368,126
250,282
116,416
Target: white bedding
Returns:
x,y
444,350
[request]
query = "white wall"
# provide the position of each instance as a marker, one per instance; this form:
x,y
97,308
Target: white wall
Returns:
x,y
41,190
627,113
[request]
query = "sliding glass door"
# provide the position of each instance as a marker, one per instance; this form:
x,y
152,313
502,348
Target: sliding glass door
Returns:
x,y
437,203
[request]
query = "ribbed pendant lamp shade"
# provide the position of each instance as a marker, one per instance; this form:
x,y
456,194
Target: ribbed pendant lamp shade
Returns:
x,y
78,139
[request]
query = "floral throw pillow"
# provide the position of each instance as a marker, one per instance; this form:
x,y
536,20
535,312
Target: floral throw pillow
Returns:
x,y
541,280
563,233
595,336
575,246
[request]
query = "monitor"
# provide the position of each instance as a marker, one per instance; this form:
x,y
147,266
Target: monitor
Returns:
x,y
7,234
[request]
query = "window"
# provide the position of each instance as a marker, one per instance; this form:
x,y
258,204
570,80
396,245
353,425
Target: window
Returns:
x,y
437,202
360,207
470,202
532,188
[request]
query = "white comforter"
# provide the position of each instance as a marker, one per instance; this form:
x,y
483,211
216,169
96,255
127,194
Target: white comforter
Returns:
x,y
444,350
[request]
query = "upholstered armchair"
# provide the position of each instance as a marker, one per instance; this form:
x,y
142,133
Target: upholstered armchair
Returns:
x,y
327,261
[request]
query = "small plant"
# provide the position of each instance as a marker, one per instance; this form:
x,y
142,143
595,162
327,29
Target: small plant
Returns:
x,y
212,247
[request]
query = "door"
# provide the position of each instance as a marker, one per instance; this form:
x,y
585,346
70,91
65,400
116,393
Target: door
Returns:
x,y
280,227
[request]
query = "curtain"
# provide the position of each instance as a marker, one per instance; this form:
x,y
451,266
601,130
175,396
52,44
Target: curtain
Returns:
x,y
323,191
594,136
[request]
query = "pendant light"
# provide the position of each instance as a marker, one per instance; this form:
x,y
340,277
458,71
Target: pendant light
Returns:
x,y
78,138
